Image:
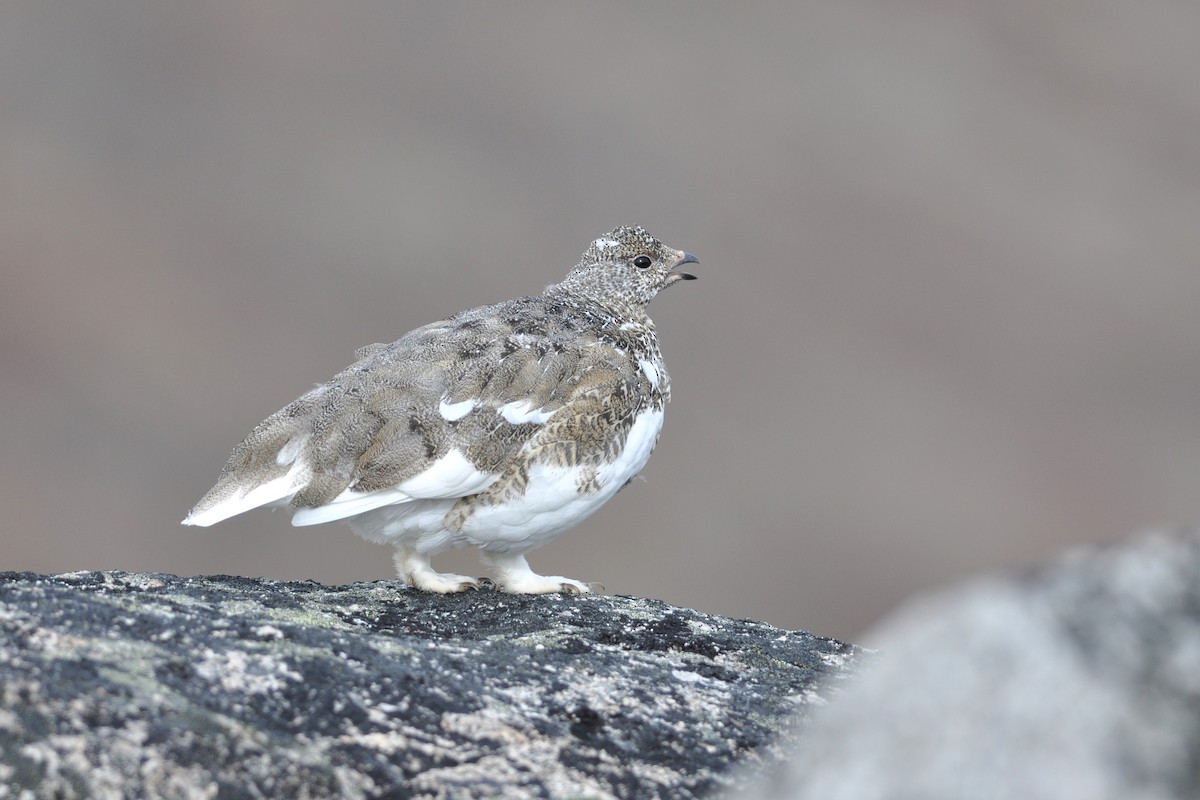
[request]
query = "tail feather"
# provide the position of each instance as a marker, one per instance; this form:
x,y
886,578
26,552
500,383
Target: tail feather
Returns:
x,y
227,499
267,468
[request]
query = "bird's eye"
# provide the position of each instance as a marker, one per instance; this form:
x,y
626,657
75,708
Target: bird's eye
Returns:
x,y
642,262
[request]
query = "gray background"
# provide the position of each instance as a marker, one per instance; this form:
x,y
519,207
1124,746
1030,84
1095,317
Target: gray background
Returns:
x,y
946,318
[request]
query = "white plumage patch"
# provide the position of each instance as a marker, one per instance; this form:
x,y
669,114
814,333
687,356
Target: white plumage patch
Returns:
x,y
349,504
451,412
643,435
603,243
650,371
290,451
520,411
451,476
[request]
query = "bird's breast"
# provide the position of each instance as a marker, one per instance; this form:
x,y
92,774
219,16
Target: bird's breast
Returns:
x,y
558,496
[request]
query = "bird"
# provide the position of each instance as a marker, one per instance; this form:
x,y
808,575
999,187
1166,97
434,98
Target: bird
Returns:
x,y
500,427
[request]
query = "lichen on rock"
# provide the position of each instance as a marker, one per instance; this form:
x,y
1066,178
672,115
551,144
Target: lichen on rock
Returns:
x,y
147,685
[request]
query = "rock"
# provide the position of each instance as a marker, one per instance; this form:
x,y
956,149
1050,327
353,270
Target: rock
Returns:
x,y
153,686
1078,679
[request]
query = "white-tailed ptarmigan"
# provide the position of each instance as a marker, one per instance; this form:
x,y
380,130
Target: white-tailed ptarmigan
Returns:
x,y
498,428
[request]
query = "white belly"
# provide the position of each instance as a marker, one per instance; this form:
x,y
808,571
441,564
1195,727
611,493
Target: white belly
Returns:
x,y
551,504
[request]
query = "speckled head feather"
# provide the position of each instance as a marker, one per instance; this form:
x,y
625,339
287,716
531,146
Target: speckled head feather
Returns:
x,y
625,269
499,427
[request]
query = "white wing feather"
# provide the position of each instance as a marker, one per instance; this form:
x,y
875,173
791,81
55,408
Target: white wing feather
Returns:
x,y
450,476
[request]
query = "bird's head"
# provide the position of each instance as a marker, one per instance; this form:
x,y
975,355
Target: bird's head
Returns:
x,y
626,269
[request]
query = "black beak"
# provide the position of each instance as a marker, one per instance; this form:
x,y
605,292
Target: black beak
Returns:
x,y
677,275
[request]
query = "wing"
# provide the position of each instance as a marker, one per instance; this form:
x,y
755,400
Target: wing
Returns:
x,y
441,413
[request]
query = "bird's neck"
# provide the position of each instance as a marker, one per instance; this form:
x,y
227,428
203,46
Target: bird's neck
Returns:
x,y
602,308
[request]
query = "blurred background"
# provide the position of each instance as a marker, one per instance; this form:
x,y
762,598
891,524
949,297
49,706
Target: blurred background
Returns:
x,y
946,320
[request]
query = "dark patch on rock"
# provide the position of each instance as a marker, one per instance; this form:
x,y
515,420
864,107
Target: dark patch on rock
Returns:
x,y
147,685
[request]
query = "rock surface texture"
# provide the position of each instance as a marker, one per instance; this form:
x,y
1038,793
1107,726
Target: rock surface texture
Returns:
x,y
1077,679
153,686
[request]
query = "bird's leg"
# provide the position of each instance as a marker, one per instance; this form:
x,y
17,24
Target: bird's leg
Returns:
x,y
414,568
513,575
